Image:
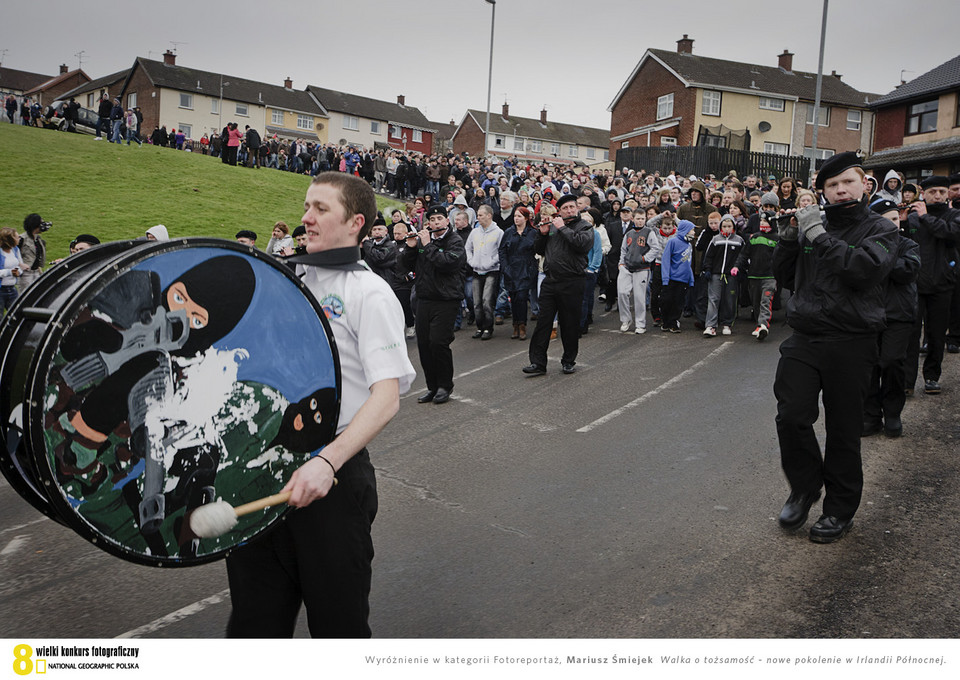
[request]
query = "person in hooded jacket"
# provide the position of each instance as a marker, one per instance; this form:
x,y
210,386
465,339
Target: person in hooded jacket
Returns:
x,y
697,210
890,191
676,272
837,267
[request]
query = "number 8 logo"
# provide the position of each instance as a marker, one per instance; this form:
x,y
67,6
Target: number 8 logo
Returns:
x,y
22,665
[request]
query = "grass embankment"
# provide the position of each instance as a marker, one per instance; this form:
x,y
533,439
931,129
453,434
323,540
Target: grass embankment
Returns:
x,y
118,192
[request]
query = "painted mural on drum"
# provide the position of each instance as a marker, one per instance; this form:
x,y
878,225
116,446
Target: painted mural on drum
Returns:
x,y
178,384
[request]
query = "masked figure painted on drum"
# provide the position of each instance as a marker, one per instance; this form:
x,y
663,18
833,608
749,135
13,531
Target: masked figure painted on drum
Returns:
x,y
126,356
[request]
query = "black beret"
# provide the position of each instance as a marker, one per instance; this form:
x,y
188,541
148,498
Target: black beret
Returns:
x,y
86,238
566,198
299,231
882,205
246,233
434,210
836,164
935,181
955,179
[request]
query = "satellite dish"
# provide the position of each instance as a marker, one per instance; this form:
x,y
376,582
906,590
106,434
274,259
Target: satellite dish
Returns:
x,y
764,126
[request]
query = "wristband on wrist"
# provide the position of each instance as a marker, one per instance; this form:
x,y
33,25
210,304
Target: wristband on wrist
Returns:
x,y
331,467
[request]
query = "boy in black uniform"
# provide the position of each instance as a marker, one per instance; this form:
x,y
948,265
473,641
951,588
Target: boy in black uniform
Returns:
x,y
837,269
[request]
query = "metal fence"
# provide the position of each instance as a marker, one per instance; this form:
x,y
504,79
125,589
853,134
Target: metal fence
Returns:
x,y
702,160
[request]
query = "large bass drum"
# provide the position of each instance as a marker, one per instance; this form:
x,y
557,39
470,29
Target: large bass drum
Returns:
x,y
141,380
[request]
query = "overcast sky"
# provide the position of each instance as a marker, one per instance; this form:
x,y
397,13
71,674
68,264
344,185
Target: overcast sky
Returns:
x,y
570,56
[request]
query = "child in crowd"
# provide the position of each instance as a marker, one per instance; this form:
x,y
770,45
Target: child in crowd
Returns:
x,y
756,259
676,271
719,264
638,252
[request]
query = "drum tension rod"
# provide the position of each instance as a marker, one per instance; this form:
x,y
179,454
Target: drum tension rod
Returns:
x,y
37,313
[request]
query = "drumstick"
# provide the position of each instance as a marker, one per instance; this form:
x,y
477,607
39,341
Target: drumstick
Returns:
x,y
214,519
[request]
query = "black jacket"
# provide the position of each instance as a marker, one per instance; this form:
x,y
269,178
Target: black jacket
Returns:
x,y
937,234
902,284
756,258
839,280
381,258
438,267
614,230
518,267
565,250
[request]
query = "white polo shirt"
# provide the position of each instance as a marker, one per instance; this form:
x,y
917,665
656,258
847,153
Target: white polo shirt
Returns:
x,y
367,323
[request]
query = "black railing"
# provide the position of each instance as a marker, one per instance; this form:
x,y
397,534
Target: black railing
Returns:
x,y
702,161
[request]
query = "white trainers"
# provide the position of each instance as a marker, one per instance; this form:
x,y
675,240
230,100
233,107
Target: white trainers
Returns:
x,y
762,332
411,332
640,331
756,332
624,327
726,330
710,332
97,138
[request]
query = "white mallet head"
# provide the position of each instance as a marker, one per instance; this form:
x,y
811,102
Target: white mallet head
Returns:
x,y
213,519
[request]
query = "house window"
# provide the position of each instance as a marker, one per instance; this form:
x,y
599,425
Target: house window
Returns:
x,y
917,175
606,154
374,127
242,110
823,120
591,154
922,117
418,137
276,117
304,122
90,100
774,147
665,106
536,146
668,141
853,119
717,141
351,123
711,103
772,104
132,100
186,100
395,131
215,106
624,145
518,144
821,153
186,129
497,140
555,148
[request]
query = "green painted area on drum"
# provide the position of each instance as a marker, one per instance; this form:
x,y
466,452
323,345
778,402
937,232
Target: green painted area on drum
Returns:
x,y
117,192
248,421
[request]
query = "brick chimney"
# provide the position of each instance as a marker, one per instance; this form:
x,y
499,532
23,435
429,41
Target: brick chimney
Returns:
x,y
64,69
786,60
401,100
287,83
836,75
685,45
169,58
543,117
506,110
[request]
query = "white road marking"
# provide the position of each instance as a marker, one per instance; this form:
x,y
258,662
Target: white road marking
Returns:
x,y
473,370
21,526
657,390
13,546
178,615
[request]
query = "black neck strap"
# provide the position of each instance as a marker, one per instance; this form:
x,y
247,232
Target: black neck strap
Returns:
x,y
336,258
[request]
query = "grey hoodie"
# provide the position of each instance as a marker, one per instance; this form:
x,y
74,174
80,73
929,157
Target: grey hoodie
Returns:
x,y
884,192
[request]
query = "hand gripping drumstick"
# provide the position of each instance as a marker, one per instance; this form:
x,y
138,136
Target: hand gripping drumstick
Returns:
x,y
214,519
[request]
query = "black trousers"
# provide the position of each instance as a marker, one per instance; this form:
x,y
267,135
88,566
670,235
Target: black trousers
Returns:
x,y
671,303
563,299
886,397
434,326
953,334
320,555
840,371
656,293
932,320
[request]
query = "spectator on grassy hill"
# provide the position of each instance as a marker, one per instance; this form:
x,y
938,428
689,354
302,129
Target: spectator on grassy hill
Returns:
x,y
116,120
247,237
11,266
11,106
33,251
279,239
233,143
157,233
131,123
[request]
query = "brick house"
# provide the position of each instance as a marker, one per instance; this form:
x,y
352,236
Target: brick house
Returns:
x,y
682,99
15,82
88,95
537,139
51,90
373,123
918,126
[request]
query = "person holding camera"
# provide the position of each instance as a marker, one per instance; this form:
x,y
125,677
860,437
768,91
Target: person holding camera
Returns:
x,y
11,266
33,250
837,267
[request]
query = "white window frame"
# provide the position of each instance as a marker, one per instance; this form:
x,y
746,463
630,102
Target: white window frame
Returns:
x,y
591,154
624,145
778,148
854,121
418,136
606,154
668,141
536,146
498,141
375,127
304,122
518,144
573,151
821,153
555,148
242,109
215,107
188,98
351,122
276,117
773,104
711,104
90,100
131,100
665,106
824,115
395,131
186,129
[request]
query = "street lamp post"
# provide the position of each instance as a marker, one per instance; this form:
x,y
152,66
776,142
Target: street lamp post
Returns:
x,y
486,132
816,103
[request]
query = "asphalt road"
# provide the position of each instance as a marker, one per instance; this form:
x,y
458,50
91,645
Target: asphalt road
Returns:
x,y
636,498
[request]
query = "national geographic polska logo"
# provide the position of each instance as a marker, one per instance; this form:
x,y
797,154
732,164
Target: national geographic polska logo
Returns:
x,y
62,657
